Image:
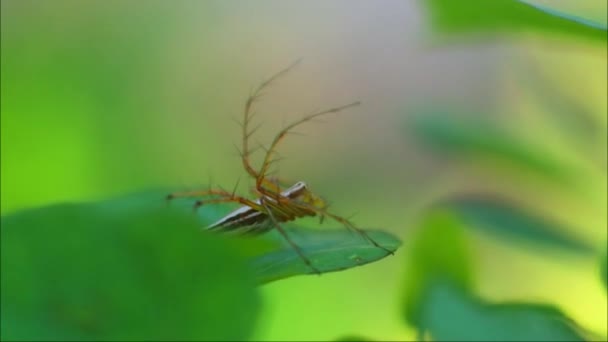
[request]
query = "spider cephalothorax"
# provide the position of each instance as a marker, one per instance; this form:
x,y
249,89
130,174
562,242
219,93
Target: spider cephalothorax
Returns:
x,y
249,220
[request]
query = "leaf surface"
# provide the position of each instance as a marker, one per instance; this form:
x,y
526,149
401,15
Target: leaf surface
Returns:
x,y
112,272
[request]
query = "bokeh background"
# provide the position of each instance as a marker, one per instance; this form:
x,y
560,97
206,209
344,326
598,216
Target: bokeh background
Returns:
x,y
104,98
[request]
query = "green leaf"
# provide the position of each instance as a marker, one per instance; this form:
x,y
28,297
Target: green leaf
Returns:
x,y
604,268
478,140
452,315
505,220
438,252
113,272
575,122
329,251
353,338
508,17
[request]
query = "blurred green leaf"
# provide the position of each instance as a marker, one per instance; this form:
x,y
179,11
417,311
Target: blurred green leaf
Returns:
x,y
353,338
452,315
480,140
438,253
508,16
329,251
506,220
604,268
84,91
575,121
99,272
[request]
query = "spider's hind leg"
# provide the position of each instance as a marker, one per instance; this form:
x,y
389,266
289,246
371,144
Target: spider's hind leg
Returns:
x,y
350,226
297,248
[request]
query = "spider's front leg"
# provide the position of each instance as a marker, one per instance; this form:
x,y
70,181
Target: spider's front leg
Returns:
x,y
247,132
227,199
224,197
197,193
271,187
269,158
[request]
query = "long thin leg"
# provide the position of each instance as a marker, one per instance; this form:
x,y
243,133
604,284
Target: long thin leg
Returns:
x,y
349,225
271,185
227,199
246,151
272,188
268,159
288,239
197,193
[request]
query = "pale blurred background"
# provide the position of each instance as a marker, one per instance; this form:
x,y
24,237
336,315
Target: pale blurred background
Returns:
x,y
102,98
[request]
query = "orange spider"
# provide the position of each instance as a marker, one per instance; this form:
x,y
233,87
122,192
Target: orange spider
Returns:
x,y
274,205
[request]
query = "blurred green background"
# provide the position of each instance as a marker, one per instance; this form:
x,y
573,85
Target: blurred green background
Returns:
x,y
104,98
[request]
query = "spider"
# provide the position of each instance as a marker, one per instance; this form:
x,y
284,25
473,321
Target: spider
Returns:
x,y
276,203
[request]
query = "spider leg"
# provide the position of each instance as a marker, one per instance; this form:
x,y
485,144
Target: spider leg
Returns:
x,y
197,193
272,187
287,238
271,151
227,199
280,181
349,225
285,209
201,193
247,116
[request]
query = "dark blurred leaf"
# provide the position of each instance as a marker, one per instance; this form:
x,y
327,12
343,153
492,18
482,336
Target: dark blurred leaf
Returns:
x,y
480,140
329,251
508,16
98,272
205,215
509,221
438,252
604,268
575,121
452,315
